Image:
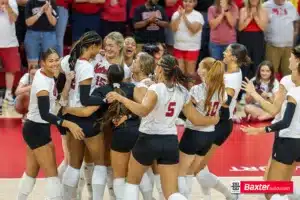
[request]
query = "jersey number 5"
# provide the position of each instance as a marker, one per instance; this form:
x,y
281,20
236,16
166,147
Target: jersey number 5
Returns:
x,y
171,109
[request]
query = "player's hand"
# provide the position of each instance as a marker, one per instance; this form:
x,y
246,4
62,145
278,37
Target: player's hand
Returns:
x,y
248,86
118,121
76,131
113,96
70,76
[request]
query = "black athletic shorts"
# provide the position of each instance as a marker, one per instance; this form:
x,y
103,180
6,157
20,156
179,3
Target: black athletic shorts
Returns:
x,y
222,131
196,142
86,123
125,136
36,134
162,148
286,150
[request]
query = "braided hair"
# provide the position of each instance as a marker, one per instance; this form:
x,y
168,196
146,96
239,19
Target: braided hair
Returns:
x,y
88,39
171,70
116,110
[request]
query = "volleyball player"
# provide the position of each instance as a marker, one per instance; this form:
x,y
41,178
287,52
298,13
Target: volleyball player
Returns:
x,y
235,56
286,147
158,139
208,98
274,108
79,95
36,130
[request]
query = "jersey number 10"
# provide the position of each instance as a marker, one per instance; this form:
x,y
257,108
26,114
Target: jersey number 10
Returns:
x,y
212,109
171,109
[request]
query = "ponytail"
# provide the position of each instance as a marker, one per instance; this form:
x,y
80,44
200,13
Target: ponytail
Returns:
x,y
171,69
88,39
116,110
215,83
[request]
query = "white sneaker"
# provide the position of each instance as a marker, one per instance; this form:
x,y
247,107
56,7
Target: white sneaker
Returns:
x,y
9,100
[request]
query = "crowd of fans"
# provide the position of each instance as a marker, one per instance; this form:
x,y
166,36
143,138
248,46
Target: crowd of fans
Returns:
x,y
190,30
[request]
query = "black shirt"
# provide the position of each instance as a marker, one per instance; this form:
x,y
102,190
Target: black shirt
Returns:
x,y
42,24
127,88
151,33
203,5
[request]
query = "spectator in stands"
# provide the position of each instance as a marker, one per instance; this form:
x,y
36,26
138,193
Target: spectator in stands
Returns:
x,y
85,17
26,80
62,22
266,85
150,21
41,17
171,6
129,51
9,52
113,17
202,6
253,22
187,26
280,34
222,18
133,5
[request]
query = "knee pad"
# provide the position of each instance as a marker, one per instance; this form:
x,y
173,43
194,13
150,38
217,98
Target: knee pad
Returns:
x,y
176,196
99,175
182,185
71,176
207,179
146,184
26,184
53,187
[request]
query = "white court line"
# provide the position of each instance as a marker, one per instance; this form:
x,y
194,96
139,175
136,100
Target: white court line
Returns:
x,y
9,187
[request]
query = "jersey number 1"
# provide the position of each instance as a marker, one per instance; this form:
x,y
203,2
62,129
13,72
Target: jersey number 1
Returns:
x,y
171,109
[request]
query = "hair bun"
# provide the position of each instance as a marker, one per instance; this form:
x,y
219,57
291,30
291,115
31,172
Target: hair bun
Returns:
x,y
116,85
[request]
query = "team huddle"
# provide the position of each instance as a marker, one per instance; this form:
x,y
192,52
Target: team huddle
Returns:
x,y
118,122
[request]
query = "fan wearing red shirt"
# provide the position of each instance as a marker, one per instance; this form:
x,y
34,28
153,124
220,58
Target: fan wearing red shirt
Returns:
x,y
113,17
85,17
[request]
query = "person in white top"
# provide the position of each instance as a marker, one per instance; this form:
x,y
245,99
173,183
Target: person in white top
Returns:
x,y
129,51
208,98
234,56
83,51
266,85
114,51
9,52
187,27
158,139
36,130
286,146
26,81
286,84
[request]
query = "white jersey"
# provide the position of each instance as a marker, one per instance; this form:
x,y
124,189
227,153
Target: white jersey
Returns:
x,y
199,94
233,81
288,84
101,66
293,131
141,83
83,70
41,82
170,101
